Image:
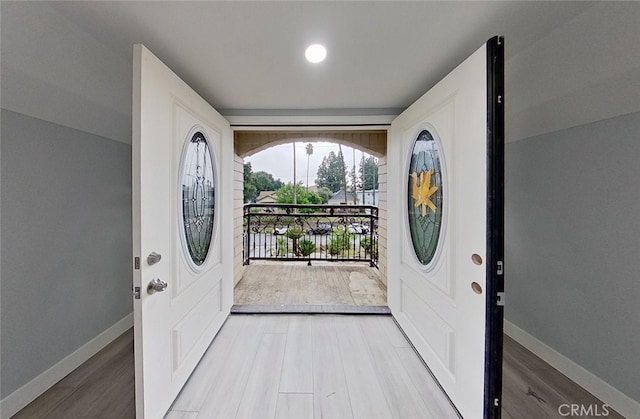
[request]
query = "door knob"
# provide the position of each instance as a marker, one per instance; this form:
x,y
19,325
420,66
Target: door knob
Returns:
x,y
156,285
153,258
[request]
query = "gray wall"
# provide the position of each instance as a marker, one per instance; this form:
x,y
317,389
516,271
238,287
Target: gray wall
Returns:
x,y
573,245
66,242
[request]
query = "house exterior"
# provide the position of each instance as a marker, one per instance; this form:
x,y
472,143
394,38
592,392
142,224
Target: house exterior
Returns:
x,y
371,197
266,197
66,184
338,198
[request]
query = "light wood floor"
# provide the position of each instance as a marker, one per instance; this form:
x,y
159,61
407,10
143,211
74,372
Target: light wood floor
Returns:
x,y
102,387
297,284
303,366
533,389
312,366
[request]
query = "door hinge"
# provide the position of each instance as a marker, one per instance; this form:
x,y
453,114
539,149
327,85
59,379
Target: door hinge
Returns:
x,y
500,267
496,402
500,300
136,293
136,263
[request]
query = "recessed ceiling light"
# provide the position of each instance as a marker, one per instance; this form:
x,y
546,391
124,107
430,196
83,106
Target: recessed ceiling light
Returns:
x,y
315,53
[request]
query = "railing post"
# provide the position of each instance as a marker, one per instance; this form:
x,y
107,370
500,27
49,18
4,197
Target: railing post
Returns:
x,y
371,243
248,239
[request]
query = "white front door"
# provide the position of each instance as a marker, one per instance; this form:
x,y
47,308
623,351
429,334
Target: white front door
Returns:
x,y
182,211
445,229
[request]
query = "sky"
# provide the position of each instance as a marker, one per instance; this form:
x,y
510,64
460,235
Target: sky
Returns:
x,y
278,160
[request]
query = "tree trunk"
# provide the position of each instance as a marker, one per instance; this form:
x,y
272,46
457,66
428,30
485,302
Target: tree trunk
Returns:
x,y
295,197
344,173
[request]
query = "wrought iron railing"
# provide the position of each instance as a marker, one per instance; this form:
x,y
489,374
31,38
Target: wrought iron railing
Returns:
x,y
311,232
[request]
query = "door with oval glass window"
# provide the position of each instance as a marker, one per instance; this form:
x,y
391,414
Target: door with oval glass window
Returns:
x,y
445,229
183,277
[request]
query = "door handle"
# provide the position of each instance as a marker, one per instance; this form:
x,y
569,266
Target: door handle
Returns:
x,y
156,285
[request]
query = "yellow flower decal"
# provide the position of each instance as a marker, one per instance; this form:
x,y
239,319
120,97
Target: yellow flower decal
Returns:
x,y
422,191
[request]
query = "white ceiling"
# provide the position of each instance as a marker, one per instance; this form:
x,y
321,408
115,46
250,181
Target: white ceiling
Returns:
x,y
248,57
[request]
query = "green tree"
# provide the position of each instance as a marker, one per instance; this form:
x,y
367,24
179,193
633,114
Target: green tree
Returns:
x,y
344,172
264,181
354,184
309,150
324,193
254,183
284,195
369,173
331,172
248,171
250,190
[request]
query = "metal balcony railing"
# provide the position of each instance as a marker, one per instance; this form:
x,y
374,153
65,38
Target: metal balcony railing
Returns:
x,y
311,232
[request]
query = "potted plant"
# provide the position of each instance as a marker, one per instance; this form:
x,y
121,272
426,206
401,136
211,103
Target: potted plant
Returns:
x,y
294,233
307,247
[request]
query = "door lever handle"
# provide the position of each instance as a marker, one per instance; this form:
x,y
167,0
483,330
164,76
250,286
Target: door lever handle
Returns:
x,y
156,285
153,258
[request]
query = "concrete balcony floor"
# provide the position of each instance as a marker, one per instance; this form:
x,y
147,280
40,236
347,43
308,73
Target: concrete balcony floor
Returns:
x,y
324,284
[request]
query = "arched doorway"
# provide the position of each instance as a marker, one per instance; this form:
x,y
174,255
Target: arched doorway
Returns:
x,y
249,142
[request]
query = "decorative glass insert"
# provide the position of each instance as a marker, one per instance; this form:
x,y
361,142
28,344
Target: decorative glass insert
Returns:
x,y
198,197
424,206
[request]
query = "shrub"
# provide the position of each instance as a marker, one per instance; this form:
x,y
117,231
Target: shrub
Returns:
x,y
294,233
284,195
306,247
281,246
366,243
340,241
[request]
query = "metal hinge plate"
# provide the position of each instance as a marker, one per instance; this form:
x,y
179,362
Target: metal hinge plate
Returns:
x,y
501,297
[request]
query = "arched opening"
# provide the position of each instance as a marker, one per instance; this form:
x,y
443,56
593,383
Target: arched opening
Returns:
x,y
371,142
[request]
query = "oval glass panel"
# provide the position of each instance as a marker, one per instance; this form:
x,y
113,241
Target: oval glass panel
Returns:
x,y
198,197
425,199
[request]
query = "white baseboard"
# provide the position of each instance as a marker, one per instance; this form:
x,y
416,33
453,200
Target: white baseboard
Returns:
x,y
604,391
17,400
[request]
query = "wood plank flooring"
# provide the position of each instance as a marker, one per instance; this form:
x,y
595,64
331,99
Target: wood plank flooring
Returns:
x,y
102,387
295,284
534,389
311,366
304,366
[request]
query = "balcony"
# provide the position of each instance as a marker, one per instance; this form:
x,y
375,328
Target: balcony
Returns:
x,y
310,258
332,233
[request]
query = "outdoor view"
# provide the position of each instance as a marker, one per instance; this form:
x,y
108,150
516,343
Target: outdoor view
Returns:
x,y
310,223
322,172
344,229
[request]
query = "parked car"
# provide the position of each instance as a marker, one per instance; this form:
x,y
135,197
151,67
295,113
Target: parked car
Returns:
x,y
358,228
280,231
320,229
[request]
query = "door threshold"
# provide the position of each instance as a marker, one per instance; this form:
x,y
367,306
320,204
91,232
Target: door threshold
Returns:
x,y
308,309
